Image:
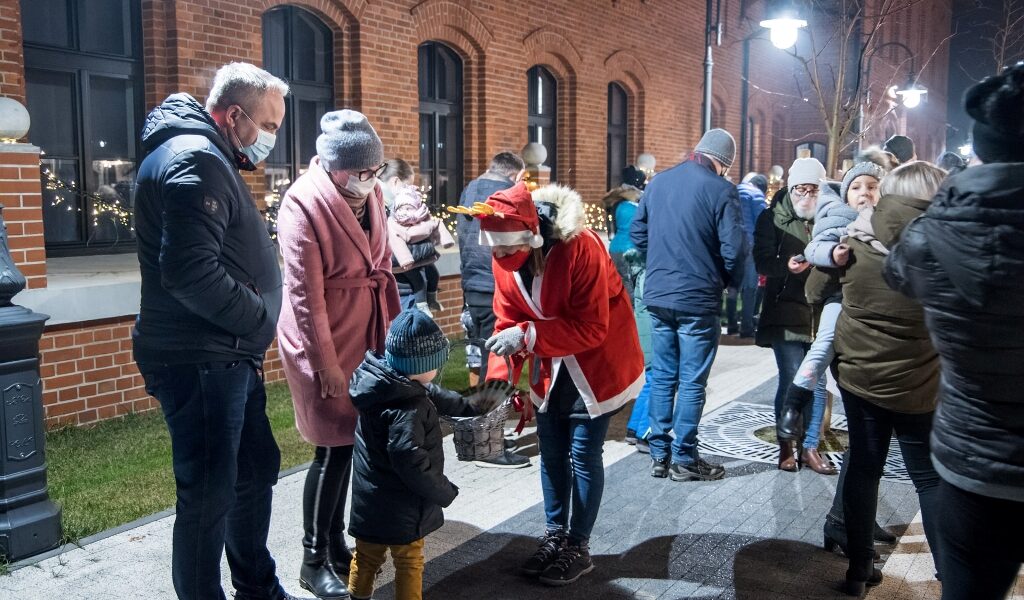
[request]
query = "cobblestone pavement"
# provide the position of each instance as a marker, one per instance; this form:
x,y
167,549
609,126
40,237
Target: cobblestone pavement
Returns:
x,y
755,534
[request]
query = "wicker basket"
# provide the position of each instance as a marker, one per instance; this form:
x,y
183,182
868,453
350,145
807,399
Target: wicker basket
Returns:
x,y
483,437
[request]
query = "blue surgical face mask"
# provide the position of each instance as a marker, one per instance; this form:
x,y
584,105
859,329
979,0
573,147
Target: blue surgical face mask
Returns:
x,y
259,150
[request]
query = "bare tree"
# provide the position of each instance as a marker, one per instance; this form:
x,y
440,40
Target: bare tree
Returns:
x,y
1007,34
843,45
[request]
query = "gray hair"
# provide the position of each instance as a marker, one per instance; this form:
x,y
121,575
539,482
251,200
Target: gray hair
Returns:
x,y
506,163
916,179
242,84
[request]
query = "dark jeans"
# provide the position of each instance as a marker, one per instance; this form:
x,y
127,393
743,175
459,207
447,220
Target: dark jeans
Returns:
x,y
788,356
979,544
746,293
571,470
423,280
225,465
871,427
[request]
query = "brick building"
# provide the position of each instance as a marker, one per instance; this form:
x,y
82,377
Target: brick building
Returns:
x,y
447,83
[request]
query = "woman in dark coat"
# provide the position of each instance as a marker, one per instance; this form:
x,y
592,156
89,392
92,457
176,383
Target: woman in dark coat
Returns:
x,y
964,261
887,369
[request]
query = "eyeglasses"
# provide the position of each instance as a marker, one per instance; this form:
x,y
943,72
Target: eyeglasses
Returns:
x,y
368,174
805,190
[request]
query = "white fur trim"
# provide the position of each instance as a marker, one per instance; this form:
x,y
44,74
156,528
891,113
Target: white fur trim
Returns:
x,y
510,238
594,408
531,335
571,219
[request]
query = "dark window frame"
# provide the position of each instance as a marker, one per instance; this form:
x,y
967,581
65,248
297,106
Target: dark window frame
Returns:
x,y
542,116
82,66
618,133
319,92
434,104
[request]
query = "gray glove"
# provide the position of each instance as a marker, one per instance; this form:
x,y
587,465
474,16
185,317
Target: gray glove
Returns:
x,y
507,342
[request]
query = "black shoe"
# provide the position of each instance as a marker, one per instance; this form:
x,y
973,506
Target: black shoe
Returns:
x,y
317,577
546,554
433,303
572,563
506,460
659,468
882,536
340,557
630,437
701,470
790,427
835,536
857,579
511,444
643,447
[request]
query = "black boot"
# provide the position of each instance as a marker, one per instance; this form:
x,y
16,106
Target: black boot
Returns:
x,y
433,303
882,536
317,577
337,547
861,574
834,533
340,555
790,427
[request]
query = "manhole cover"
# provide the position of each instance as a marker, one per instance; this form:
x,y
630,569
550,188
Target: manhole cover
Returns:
x,y
730,432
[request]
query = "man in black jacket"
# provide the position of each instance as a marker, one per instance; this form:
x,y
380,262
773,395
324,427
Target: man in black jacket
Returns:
x,y
211,293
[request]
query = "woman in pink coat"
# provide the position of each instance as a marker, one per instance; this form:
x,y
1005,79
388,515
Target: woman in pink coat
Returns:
x,y
340,298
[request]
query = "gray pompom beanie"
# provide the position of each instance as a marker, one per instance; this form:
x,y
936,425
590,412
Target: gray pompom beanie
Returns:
x,y
415,344
862,168
348,142
719,145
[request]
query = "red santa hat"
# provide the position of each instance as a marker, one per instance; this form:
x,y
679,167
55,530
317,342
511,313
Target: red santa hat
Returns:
x,y
512,220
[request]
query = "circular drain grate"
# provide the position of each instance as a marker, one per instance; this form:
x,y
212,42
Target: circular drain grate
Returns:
x,y
730,432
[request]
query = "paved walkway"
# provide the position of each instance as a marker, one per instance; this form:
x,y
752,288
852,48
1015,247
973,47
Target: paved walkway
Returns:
x,y
755,534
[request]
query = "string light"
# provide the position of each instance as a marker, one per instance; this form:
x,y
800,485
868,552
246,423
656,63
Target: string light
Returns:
x,y
101,206
597,216
272,202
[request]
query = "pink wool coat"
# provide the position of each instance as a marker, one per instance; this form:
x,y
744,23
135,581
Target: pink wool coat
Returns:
x,y
340,297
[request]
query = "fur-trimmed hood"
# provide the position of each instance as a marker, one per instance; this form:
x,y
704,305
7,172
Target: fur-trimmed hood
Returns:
x,y
561,208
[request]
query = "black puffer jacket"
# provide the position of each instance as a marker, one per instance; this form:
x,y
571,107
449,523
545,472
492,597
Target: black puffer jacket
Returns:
x,y
964,260
211,284
398,482
475,260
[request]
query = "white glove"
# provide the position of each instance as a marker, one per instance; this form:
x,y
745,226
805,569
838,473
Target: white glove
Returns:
x,y
507,342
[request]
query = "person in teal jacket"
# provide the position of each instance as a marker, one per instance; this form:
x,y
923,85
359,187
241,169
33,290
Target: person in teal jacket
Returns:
x,y
621,204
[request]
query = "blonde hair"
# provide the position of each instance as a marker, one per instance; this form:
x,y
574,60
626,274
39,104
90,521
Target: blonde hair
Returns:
x,y
916,179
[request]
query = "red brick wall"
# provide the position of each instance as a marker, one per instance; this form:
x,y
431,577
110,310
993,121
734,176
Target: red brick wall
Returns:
x,y
12,67
21,196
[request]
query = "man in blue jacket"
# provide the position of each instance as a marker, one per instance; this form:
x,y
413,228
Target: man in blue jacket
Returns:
x,y
211,294
689,226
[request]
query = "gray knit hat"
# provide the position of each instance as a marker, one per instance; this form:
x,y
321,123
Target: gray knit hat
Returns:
x,y
862,168
348,142
805,171
415,344
719,145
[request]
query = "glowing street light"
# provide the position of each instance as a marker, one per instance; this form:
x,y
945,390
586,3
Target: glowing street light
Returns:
x,y
911,94
783,31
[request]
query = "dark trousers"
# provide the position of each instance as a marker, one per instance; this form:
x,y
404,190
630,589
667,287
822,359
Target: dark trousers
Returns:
x,y
323,497
423,280
980,544
871,428
225,465
478,321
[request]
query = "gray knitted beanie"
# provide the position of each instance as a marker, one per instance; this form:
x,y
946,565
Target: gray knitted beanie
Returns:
x,y
415,344
719,145
348,142
861,168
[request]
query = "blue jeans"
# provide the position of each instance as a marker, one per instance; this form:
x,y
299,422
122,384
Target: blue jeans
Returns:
x,y
684,347
788,356
225,465
571,471
639,419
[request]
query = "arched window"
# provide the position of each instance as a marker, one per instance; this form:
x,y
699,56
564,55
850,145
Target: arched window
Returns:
x,y
543,113
440,94
812,150
83,87
297,47
618,117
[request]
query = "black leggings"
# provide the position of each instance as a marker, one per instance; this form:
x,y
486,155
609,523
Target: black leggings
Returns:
x,y
424,280
871,428
980,544
323,498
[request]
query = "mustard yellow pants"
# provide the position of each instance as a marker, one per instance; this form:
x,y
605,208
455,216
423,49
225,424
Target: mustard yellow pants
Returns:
x,y
368,558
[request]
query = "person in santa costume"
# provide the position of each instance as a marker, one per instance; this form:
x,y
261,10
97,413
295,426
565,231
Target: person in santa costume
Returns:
x,y
561,307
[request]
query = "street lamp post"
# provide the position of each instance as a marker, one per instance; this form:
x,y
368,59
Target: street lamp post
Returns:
x,y
910,94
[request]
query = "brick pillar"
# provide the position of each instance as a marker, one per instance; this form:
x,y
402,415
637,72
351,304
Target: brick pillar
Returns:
x,y
21,195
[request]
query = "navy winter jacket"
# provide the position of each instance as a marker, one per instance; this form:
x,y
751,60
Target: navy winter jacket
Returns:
x,y
688,224
211,284
476,259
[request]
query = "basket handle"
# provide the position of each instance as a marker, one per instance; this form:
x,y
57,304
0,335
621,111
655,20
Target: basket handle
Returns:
x,y
522,405
480,342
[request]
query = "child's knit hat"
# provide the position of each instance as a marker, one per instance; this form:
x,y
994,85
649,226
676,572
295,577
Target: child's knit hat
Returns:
x,y
415,344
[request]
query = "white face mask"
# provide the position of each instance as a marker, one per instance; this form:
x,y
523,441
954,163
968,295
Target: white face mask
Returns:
x,y
360,189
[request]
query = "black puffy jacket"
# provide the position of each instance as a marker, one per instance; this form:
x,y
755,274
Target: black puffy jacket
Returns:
x,y
964,261
474,259
398,482
211,284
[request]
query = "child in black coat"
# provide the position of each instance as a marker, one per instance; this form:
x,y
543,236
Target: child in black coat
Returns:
x,y
398,482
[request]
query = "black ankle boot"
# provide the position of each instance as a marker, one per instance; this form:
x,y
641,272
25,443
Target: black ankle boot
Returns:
x,y
790,427
860,575
340,555
835,535
317,577
882,536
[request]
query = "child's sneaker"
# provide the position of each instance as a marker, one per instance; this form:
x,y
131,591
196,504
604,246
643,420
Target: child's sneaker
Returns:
x,y
433,303
423,308
546,554
572,563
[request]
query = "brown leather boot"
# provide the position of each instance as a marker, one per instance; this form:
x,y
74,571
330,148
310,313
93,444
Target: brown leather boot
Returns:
x,y
817,462
787,457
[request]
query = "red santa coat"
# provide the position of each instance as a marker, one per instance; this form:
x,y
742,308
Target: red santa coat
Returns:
x,y
577,316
